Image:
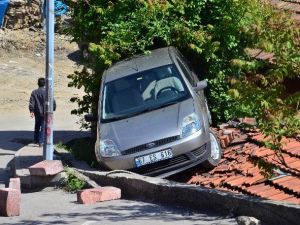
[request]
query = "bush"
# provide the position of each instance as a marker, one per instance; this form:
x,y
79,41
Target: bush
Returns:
x,y
72,183
212,35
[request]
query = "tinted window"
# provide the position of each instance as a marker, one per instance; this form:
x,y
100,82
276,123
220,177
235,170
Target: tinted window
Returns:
x,y
144,91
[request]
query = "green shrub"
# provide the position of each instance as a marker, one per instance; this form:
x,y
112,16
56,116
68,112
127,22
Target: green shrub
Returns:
x,y
210,33
72,183
213,36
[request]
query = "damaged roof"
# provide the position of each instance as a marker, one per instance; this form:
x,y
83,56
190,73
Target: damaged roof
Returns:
x,y
237,171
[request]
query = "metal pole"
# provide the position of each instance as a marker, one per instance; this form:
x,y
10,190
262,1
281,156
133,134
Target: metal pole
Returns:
x,y
48,144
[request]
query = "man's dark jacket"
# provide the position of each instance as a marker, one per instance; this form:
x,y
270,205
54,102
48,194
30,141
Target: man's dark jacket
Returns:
x,y
37,102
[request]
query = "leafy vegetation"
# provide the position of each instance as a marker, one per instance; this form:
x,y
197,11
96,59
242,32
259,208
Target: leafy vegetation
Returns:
x,y
213,36
72,183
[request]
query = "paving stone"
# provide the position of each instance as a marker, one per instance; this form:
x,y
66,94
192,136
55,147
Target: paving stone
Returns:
x,y
10,202
46,168
93,195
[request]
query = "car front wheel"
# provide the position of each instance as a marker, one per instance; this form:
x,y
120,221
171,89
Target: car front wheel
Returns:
x,y
215,152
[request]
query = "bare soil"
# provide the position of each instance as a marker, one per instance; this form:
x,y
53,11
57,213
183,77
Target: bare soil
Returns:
x,y
22,62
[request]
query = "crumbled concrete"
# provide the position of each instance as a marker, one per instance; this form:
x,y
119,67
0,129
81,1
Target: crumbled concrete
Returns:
x,y
23,13
100,194
245,220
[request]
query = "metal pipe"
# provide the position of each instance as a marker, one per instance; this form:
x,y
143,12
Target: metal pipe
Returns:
x,y
48,143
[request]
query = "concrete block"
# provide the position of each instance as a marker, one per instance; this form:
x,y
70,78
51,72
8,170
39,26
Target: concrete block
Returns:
x,y
10,202
93,195
46,168
14,183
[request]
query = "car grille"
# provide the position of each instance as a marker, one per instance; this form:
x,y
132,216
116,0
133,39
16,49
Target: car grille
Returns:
x,y
144,146
169,164
199,151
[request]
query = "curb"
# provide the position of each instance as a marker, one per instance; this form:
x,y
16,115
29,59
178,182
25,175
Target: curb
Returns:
x,y
135,186
24,158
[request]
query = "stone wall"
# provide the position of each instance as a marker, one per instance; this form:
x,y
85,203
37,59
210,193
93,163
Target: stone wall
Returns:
x,y
23,14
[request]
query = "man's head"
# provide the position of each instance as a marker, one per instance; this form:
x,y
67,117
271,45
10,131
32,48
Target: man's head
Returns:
x,y
41,82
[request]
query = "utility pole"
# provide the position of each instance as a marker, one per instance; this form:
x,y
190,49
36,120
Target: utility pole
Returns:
x,y
48,144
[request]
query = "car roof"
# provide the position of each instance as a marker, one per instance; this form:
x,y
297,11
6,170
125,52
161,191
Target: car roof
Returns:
x,y
158,57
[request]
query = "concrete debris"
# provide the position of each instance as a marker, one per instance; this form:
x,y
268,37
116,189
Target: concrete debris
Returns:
x,y
245,220
100,194
23,14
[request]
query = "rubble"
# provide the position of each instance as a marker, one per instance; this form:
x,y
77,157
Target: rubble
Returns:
x,y
23,14
245,220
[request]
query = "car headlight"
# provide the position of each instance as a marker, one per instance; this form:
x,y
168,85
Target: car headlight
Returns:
x,y
108,148
190,125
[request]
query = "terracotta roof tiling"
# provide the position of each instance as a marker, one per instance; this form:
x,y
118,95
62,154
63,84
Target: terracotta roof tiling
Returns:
x,y
290,183
237,171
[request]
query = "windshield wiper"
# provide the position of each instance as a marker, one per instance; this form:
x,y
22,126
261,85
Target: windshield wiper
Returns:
x,y
125,116
167,104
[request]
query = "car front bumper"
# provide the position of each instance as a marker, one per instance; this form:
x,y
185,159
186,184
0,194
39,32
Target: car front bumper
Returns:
x,y
187,152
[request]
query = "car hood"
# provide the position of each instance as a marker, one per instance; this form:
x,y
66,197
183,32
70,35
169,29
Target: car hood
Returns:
x,y
147,127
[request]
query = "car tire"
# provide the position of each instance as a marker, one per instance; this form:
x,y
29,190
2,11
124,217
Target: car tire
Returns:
x,y
214,158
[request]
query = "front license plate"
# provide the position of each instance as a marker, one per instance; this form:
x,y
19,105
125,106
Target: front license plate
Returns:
x,y
154,157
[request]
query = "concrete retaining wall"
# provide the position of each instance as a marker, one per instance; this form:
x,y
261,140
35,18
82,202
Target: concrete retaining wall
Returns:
x,y
162,191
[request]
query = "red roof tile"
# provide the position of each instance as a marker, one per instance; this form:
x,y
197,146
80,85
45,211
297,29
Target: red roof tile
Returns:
x,y
237,172
293,184
280,197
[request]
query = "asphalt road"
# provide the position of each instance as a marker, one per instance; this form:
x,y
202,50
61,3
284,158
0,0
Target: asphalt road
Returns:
x,y
57,207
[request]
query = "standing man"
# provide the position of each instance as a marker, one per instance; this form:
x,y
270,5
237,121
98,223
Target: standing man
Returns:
x,y
37,110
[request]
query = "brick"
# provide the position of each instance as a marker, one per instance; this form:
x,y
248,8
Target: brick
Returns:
x,y
46,168
10,202
93,195
225,141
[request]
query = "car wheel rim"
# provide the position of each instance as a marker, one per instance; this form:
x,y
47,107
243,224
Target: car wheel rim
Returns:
x,y
215,149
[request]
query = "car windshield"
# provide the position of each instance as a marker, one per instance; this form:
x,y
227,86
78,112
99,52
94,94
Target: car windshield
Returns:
x,y
141,92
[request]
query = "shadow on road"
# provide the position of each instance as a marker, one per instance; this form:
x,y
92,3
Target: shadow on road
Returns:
x,y
129,212
14,140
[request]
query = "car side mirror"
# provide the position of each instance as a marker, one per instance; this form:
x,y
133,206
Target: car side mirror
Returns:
x,y
90,118
200,85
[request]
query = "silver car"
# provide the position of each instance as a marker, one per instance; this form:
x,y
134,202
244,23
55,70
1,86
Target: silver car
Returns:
x,y
153,116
